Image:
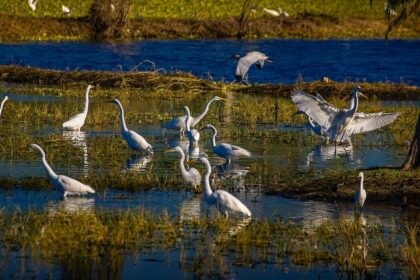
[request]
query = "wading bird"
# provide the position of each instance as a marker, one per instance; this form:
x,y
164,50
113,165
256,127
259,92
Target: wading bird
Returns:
x,y
66,10
338,123
224,150
246,62
191,176
32,4
77,121
178,123
2,104
135,141
275,13
192,134
224,200
62,183
360,195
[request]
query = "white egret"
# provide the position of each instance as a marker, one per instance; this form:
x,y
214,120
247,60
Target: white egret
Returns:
x,y
191,176
2,104
192,134
224,200
360,195
271,12
134,140
179,122
62,183
77,121
32,4
66,10
246,62
225,150
340,122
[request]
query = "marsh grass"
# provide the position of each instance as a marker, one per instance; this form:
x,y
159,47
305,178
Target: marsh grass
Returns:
x,y
53,235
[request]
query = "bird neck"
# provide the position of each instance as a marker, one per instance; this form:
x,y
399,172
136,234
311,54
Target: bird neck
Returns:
x,y
213,140
207,188
47,167
199,117
187,122
123,124
311,123
182,163
361,183
354,103
85,110
2,104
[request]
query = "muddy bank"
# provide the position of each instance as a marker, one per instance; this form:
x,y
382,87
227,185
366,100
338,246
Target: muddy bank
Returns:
x,y
311,26
189,83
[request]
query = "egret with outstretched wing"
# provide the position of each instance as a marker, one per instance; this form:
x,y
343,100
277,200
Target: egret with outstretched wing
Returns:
x,y
246,62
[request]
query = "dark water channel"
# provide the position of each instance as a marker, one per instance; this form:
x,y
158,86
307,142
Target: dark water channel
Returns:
x,y
343,60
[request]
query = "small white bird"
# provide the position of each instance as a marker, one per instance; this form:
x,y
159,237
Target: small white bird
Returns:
x,y
64,184
178,123
224,150
246,62
271,12
112,7
191,176
134,140
32,4
2,104
360,195
192,134
77,121
66,10
224,200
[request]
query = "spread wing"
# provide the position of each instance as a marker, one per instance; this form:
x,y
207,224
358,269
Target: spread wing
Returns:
x,y
320,111
367,122
246,62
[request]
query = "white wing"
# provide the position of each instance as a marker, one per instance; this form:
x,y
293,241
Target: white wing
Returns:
x,y
75,121
73,186
230,202
246,62
136,141
176,123
321,112
367,122
229,150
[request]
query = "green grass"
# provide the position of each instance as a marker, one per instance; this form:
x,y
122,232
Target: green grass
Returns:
x,y
200,9
349,244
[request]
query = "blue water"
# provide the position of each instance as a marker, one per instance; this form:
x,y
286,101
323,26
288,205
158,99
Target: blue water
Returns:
x,y
352,60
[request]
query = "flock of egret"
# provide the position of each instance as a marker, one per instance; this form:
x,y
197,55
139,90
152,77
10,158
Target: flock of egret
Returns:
x,y
325,120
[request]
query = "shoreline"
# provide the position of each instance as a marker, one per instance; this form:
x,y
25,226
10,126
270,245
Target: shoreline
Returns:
x,y
304,26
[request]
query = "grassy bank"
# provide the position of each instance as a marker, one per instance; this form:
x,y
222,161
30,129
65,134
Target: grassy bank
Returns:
x,y
20,29
128,84
351,245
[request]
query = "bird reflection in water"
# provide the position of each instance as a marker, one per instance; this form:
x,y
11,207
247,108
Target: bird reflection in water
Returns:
x,y
190,151
232,171
325,152
139,163
190,209
72,204
79,140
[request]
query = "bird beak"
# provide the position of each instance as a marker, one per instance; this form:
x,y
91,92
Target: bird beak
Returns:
x,y
170,150
269,61
361,94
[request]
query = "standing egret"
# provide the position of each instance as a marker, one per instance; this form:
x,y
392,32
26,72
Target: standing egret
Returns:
x,y
360,195
192,134
179,122
32,4
77,121
2,104
134,140
225,150
341,122
66,10
224,200
246,62
191,176
62,183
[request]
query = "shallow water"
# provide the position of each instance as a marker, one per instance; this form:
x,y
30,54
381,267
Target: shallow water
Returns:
x,y
351,60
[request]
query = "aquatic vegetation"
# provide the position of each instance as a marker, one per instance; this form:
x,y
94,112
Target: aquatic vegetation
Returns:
x,y
55,235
